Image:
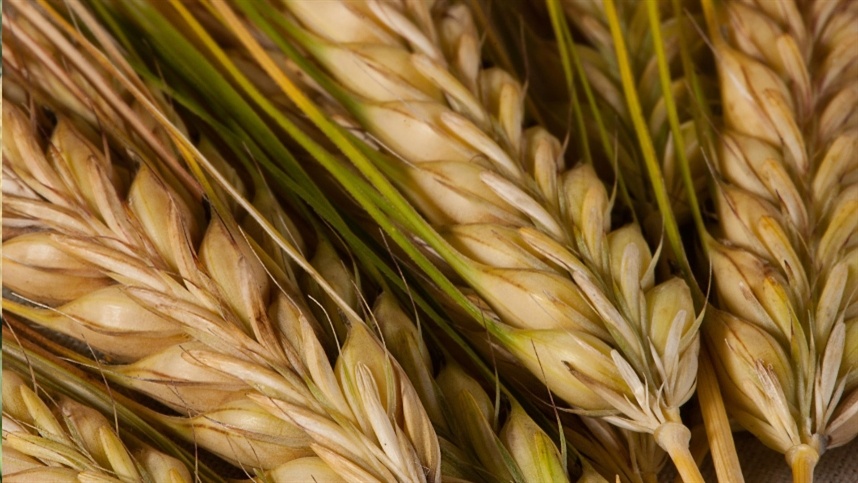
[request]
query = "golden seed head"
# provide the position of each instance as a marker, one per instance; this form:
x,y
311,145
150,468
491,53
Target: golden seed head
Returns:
x,y
455,383
402,337
748,286
162,468
415,132
556,304
473,419
109,321
173,376
759,168
341,22
632,270
494,245
587,208
758,103
385,404
333,269
157,209
245,434
85,169
452,193
741,347
308,468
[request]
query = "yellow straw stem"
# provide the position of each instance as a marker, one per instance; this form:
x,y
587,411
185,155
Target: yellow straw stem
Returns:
x,y
675,438
802,459
718,432
650,477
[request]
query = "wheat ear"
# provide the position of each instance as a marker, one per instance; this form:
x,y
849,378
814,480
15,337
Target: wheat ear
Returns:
x,y
510,448
786,266
239,334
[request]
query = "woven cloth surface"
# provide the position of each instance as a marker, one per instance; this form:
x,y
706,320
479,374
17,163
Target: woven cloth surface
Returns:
x,y
762,465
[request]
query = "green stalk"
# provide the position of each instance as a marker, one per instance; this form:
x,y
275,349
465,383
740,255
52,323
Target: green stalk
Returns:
x,y
647,148
702,121
569,52
673,117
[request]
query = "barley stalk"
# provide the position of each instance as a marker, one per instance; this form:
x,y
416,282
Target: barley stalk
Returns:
x,y
785,266
469,167
635,53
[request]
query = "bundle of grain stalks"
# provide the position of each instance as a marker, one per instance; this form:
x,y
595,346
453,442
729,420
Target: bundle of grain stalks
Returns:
x,y
215,332
261,396
331,241
577,303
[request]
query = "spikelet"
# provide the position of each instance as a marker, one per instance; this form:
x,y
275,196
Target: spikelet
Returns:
x,y
81,300
403,338
332,268
305,469
785,269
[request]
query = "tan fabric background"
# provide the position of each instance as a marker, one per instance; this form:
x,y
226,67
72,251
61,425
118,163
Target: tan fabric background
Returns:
x,y
762,465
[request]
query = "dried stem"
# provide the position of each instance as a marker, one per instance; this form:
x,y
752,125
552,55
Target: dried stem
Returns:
x,y
802,460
